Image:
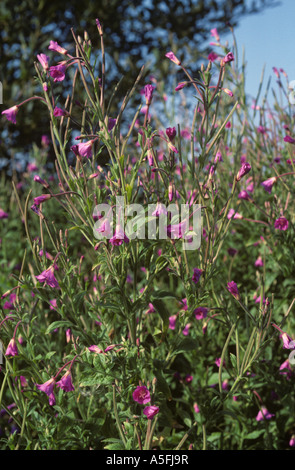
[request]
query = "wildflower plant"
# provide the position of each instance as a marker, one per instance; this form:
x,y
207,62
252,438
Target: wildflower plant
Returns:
x,y
127,340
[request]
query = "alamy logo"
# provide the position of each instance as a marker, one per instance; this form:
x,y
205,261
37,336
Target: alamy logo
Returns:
x,y
154,221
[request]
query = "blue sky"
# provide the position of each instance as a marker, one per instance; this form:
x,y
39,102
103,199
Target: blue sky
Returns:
x,y
268,39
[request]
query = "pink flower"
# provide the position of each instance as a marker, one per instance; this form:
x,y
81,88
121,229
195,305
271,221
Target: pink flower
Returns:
x,y
59,112
287,138
233,289
215,34
228,92
228,58
200,313
171,133
148,93
58,72
172,322
151,411
65,383
288,343
281,223
212,56
48,388
105,228
53,304
177,230
11,113
258,262
43,59
48,277
54,46
196,408
268,184
84,149
292,441
142,395
244,195
119,237
95,349
197,274
245,168
264,414
173,58
12,348
185,331
160,209
3,214
180,86
45,141
41,181
231,213
39,199
111,124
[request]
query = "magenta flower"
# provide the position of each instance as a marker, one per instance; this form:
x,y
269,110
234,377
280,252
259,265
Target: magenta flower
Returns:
x,y
233,289
288,343
180,86
119,236
95,349
172,322
12,348
111,124
41,181
58,72
212,56
197,274
228,58
177,230
196,408
105,228
48,388
54,46
259,262
185,331
151,411
160,209
148,93
171,133
264,414
173,58
292,441
244,195
11,113
65,383
245,168
48,277
268,184
200,313
43,59
84,149
281,223
289,139
3,214
39,199
45,141
59,112
215,34
142,395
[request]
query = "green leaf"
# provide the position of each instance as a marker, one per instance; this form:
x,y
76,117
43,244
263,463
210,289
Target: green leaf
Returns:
x,y
58,324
